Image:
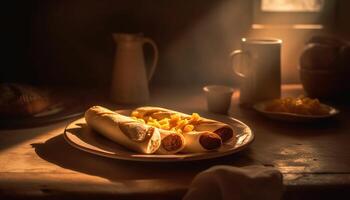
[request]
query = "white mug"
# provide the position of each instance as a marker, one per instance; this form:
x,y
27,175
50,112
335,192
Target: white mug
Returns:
x,y
259,69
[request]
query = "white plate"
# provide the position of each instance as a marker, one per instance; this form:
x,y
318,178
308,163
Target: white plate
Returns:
x,y
79,135
293,117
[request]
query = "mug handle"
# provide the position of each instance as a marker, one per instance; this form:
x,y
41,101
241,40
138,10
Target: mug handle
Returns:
x,y
234,67
155,58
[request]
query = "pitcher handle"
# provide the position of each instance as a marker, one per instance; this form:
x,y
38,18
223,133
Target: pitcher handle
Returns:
x,y
233,55
155,58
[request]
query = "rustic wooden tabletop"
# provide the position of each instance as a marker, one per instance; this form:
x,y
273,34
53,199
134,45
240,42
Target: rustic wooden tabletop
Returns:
x,y
37,163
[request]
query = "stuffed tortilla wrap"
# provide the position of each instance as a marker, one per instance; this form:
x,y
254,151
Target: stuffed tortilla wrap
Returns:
x,y
124,130
223,130
203,135
172,142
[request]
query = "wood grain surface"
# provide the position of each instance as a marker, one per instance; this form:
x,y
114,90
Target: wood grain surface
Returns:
x,y
38,163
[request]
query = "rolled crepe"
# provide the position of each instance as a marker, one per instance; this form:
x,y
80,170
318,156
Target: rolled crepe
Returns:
x,y
224,131
207,134
172,142
123,130
197,142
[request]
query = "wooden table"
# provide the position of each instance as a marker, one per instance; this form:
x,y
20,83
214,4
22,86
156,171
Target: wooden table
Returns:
x,y
37,163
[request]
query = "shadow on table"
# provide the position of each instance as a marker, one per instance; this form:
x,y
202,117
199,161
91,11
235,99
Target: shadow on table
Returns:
x,y
57,151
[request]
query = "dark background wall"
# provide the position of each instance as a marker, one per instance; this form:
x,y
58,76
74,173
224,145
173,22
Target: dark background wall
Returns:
x,y
67,42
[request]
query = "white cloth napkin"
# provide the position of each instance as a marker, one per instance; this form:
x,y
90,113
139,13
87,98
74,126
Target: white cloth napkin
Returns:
x,y
235,183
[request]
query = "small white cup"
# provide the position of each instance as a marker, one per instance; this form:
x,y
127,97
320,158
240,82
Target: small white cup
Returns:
x,y
218,98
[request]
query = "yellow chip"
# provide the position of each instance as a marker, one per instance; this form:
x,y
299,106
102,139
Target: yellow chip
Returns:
x,y
141,120
195,117
188,128
175,117
135,113
155,124
165,126
179,131
164,121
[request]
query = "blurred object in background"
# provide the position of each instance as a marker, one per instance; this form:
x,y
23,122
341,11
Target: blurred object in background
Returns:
x,y
17,100
260,71
218,98
23,105
130,77
325,67
293,21
292,5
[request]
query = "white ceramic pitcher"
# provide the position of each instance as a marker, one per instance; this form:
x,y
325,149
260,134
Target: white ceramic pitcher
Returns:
x,y
130,77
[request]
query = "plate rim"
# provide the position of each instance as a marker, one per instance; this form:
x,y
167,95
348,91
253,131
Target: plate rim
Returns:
x,y
191,157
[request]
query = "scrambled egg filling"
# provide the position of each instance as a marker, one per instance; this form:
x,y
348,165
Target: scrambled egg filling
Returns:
x,y
299,105
174,123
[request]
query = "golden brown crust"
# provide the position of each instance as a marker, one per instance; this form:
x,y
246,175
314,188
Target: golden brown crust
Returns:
x,y
210,141
172,142
224,133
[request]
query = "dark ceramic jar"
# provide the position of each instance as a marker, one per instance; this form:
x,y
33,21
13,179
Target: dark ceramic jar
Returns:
x,y
325,67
